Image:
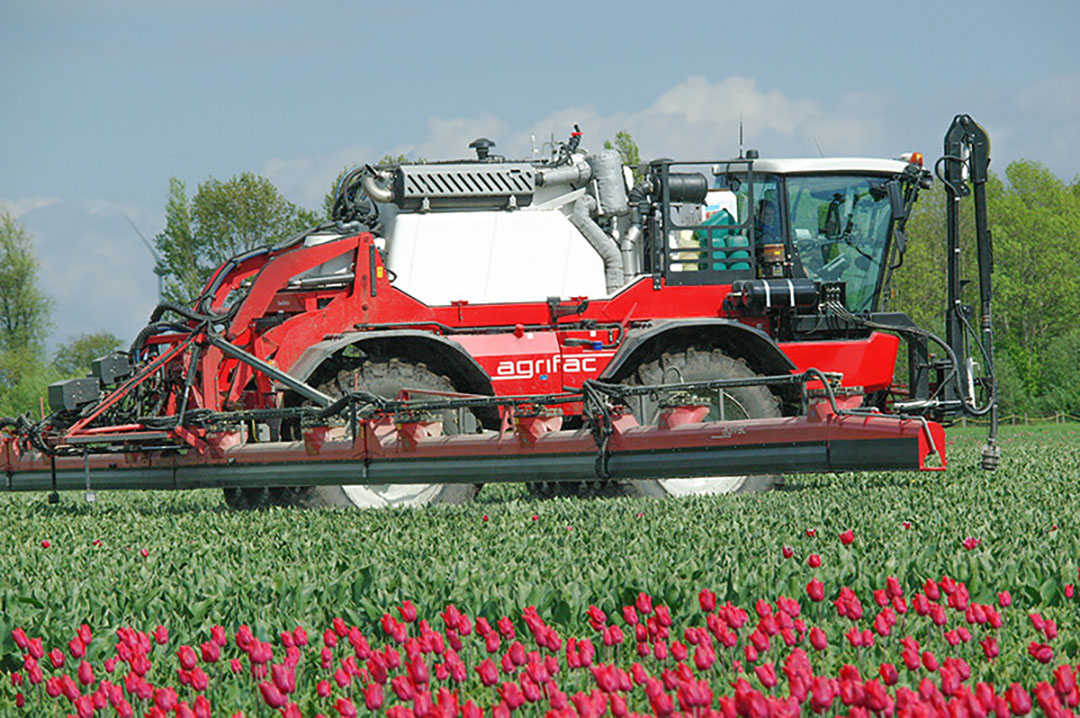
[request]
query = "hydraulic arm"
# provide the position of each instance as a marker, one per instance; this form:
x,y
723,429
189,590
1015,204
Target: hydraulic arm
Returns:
x,y
964,170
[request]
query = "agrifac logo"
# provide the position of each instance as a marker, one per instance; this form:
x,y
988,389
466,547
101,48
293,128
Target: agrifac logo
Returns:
x,y
544,367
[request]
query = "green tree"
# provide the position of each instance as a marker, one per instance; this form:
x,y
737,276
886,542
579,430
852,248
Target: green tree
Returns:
x,y
24,379
73,357
24,308
628,150
1036,230
24,321
221,220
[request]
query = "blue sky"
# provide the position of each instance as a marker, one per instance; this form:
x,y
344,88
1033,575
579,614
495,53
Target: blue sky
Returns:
x,y
102,102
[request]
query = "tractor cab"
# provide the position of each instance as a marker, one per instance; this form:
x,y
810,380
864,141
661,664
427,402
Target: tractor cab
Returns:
x,y
830,220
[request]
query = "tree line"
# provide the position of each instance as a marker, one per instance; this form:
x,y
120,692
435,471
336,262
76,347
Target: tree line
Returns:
x,y
1034,220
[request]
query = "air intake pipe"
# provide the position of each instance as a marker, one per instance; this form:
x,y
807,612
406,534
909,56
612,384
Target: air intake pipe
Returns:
x,y
372,188
576,175
605,246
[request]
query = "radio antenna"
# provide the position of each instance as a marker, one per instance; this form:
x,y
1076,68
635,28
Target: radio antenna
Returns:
x,y
740,137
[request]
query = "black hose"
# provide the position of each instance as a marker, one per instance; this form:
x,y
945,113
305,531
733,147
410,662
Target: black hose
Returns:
x,y
150,330
6,421
180,309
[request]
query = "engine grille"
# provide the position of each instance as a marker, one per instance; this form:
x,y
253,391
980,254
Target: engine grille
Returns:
x,y
471,185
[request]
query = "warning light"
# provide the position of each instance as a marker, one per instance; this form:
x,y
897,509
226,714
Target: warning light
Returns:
x,y
913,158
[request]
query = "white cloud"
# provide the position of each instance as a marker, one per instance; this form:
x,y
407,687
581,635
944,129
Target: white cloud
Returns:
x,y
450,137
22,205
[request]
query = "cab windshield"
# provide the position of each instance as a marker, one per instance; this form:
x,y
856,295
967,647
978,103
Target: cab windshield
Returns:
x,y
839,226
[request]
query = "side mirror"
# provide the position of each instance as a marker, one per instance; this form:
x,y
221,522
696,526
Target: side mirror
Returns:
x,y
896,199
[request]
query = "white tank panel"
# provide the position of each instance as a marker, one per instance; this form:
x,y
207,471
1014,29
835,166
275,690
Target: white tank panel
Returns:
x,y
492,256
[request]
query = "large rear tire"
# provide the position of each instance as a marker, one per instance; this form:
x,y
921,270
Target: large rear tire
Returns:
x,y
692,364
386,378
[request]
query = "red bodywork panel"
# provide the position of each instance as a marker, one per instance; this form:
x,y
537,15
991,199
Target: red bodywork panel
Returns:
x,y
519,346
535,359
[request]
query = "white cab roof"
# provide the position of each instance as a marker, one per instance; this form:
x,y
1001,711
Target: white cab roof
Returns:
x,y
818,165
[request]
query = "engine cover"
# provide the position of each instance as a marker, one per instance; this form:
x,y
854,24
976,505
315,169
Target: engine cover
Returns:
x,y
473,185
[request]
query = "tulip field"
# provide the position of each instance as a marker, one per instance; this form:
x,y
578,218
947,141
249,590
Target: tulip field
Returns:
x,y
899,594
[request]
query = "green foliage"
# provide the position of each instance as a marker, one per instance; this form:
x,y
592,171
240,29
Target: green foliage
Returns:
x,y
221,220
24,308
628,150
73,357
24,378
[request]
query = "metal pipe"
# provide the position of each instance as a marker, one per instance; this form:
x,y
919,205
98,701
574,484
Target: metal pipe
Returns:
x,y
604,245
576,175
372,189
631,260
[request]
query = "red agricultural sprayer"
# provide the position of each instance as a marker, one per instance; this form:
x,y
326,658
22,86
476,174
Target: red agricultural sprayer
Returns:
x,y
698,327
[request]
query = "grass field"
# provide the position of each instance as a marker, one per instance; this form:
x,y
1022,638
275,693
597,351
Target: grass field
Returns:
x,y
184,561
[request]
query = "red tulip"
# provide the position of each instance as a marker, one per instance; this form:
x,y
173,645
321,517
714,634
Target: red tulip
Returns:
x,y
284,678
407,611
144,552
707,600
929,661
86,673
165,699
811,532
161,635
847,537
210,651
766,674
818,639
45,544
1041,652
644,603
187,656
345,708
271,695
373,697
906,525
889,674
56,658
787,551
815,590
489,675
1004,599
814,561
1018,699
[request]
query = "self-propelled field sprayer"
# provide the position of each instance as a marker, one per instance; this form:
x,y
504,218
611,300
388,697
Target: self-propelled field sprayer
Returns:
x,y
569,322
